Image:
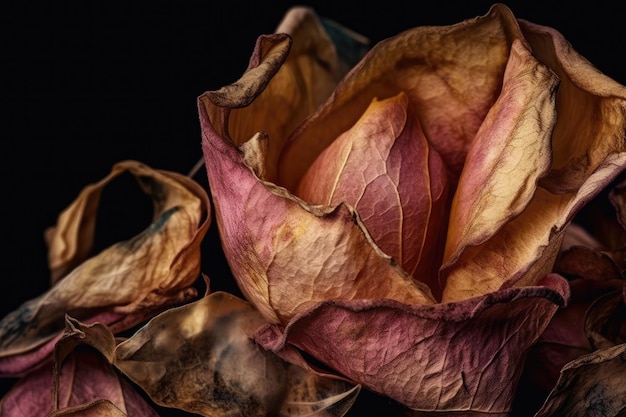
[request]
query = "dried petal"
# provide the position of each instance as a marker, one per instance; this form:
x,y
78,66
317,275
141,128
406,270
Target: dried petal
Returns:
x,y
418,355
126,282
386,154
86,380
509,154
201,358
591,385
304,69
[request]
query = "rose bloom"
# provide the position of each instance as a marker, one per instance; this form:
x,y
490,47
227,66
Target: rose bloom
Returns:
x,y
399,222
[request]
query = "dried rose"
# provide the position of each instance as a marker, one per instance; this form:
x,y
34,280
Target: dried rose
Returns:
x,y
404,232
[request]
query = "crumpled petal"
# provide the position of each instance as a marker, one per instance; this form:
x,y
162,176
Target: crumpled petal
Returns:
x,y
201,358
509,154
125,283
418,355
86,383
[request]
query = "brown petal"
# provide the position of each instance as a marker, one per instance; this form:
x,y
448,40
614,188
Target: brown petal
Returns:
x,y
317,396
419,356
201,358
605,321
198,358
588,264
386,154
591,385
126,282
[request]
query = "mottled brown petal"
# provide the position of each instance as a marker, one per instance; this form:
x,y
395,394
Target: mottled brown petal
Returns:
x,y
317,396
126,282
201,358
384,167
592,385
418,355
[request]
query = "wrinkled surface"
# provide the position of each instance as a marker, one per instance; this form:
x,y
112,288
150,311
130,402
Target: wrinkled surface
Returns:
x,y
88,386
201,358
528,132
386,154
125,283
424,361
100,408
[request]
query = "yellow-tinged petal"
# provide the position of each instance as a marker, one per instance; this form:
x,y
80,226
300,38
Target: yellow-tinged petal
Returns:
x,y
451,74
127,281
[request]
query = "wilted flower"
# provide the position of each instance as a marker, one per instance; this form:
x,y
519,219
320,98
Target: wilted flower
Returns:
x,y
402,226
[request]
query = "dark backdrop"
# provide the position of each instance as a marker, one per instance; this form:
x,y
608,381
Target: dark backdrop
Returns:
x,y
96,82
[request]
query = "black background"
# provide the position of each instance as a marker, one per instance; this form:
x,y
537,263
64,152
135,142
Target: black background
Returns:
x,y
87,84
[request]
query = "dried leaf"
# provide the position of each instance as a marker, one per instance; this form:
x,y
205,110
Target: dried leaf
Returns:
x,y
418,355
125,283
591,385
201,358
88,385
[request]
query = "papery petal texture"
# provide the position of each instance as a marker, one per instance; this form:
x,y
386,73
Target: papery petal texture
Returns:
x,y
125,283
270,236
447,144
424,357
201,358
386,154
85,379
